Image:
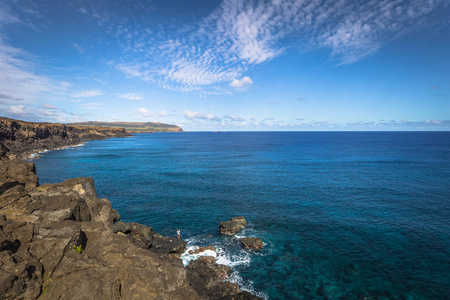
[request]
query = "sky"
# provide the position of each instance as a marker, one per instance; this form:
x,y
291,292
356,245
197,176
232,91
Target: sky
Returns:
x,y
228,65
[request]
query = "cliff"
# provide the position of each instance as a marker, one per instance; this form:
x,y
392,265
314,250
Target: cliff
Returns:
x,y
135,127
60,241
20,137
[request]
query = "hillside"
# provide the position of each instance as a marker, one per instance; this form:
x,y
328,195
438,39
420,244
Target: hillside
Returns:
x,y
134,127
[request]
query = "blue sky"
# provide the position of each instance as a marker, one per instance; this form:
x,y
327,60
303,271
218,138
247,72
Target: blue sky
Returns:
x,y
229,65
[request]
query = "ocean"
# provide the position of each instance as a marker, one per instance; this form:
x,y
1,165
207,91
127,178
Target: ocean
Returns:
x,y
343,215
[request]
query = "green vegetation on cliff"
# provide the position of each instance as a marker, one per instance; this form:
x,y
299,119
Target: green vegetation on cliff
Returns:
x,y
134,127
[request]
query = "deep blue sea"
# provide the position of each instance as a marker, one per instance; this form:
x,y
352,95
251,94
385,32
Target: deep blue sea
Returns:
x,y
344,215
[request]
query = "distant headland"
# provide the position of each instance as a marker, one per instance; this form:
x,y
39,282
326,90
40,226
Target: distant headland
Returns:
x,y
133,127
23,138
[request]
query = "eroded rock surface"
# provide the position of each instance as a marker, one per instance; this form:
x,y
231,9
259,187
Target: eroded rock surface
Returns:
x,y
20,137
232,226
202,249
60,241
252,243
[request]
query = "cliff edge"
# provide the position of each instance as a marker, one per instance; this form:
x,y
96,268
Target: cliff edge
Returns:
x,y
20,137
60,241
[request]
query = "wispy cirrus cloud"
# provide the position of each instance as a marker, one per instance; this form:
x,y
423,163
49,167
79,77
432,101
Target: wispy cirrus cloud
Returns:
x,y
17,79
131,96
92,105
87,94
49,106
199,115
240,34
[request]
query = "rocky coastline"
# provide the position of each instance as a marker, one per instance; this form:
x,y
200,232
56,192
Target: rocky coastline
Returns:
x,y
24,138
60,241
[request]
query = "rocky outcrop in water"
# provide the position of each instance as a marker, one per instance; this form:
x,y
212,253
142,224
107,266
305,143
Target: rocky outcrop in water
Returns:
x,y
252,243
60,241
202,249
234,225
20,137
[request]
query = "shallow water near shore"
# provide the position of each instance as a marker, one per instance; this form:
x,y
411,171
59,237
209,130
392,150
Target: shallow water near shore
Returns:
x,y
343,215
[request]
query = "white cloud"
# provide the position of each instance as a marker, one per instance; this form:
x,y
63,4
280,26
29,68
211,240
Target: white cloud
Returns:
x,y
131,96
17,79
241,84
45,113
65,84
79,48
162,113
49,106
92,105
241,34
234,118
87,94
18,110
198,115
144,112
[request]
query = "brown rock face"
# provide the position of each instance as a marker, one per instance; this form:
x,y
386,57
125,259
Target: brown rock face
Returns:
x,y
59,241
19,137
232,226
40,225
202,249
252,243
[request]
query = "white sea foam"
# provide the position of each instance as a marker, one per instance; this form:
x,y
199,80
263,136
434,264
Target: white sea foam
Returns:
x,y
237,257
37,154
186,257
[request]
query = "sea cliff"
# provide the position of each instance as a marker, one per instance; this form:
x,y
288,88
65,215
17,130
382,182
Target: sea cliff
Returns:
x,y
20,137
60,241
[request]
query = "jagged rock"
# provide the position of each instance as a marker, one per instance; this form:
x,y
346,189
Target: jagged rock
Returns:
x,y
144,237
20,272
206,278
41,225
202,249
20,137
17,172
207,259
252,243
232,226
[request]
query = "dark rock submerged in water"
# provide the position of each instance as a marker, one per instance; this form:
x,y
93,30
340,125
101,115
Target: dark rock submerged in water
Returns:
x,y
234,225
60,241
252,243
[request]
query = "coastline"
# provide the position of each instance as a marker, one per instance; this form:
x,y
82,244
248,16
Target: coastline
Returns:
x,y
61,234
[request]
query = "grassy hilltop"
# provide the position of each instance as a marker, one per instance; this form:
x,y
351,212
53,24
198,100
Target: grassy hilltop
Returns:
x,y
134,127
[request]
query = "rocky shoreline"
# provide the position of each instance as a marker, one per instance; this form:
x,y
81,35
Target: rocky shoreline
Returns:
x,y
60,241
24,138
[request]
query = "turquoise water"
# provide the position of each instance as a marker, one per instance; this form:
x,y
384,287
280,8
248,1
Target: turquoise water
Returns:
x,y
344,215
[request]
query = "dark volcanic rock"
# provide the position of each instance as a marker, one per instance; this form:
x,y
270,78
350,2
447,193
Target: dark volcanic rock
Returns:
x,y
60,241
205,277
202,249
40,226
144,237
252,243
17,172
19,137
232,226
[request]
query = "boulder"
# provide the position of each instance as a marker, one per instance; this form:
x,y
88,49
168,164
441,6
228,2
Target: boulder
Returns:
x,y
232,226
251,243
